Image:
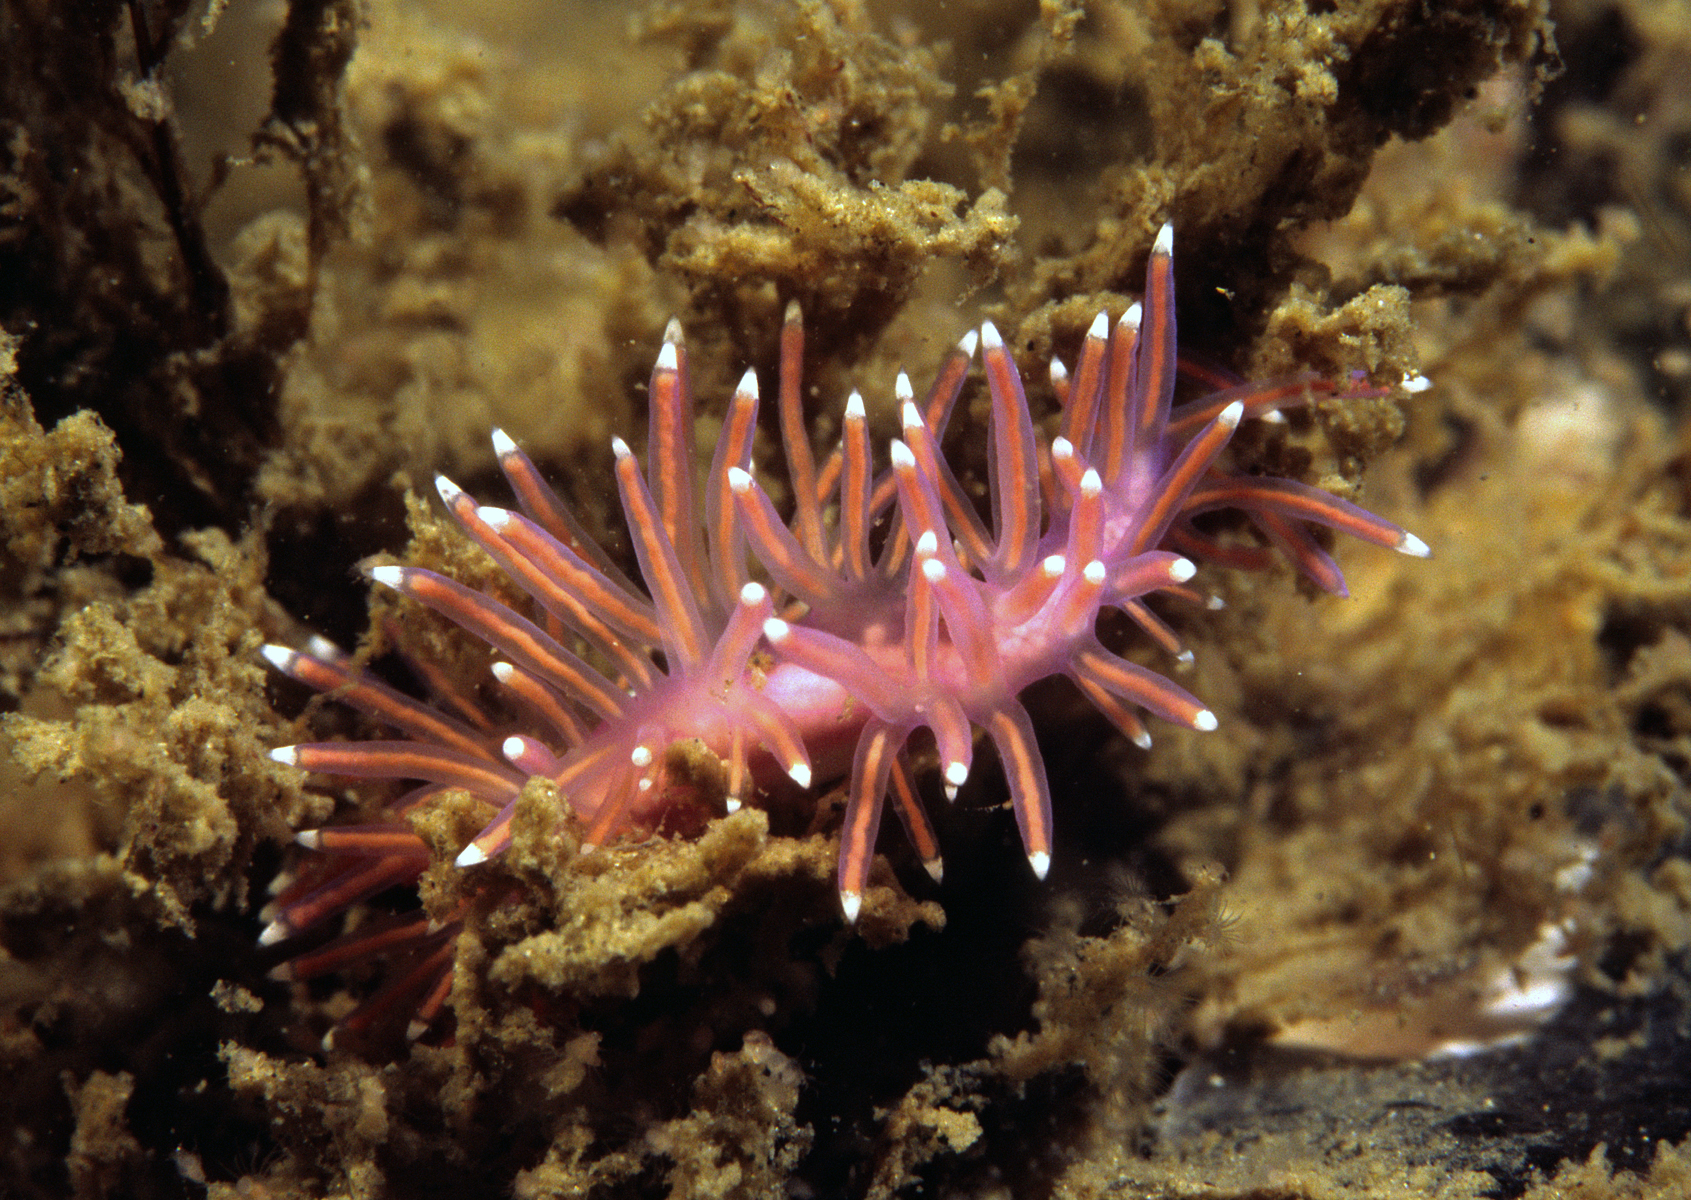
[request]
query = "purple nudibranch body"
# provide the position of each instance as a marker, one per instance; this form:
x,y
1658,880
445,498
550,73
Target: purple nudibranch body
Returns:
x,y
885,604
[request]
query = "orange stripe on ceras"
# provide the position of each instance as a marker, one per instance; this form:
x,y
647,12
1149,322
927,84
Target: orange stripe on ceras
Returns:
x,y
1156,367
953,736
542,504
967,621
1016,487
734,449
1111,444
962,522
1145,688
921,623
873,763
1259,400
678,614
345,890
856,481
369,841
609,817
1086,522
435,999
1295,542
914,816
1116,710
738,770
383,703
1067,466
516,636
1155,570
494,836
597,607
1025,773
359,945
936,412
536,693
1286,498
398,990
776,731
1080,415
787,562
1170,493
918,500
734,647
1030,593
669,451
570,591
960,515
948,385
839,659
406,760
1073,610
1154,626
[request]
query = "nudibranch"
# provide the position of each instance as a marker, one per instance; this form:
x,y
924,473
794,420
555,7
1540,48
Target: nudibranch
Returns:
x,y
813,645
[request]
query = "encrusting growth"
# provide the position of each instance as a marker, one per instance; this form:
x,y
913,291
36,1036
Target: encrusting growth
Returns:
x,y
904,610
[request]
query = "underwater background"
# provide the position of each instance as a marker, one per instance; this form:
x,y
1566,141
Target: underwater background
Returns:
x,y
1413,922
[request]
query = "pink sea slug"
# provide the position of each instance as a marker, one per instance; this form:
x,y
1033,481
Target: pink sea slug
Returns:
x,y
857,631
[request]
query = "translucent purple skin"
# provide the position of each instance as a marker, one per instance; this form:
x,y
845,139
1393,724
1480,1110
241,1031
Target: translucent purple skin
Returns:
x,y
939,628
